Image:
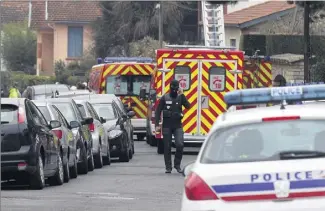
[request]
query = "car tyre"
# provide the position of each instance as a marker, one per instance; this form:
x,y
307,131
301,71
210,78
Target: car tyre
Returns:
x,y
124,156
107,159
99,159
153,141
58,177
160,146
91,163
66,171
37,180
74,169
140,137
83,166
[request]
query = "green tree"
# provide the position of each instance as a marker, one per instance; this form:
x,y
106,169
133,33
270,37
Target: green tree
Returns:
x,y
128,21
19,47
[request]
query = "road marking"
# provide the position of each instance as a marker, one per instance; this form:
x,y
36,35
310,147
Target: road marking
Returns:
x,y
94,193
112,197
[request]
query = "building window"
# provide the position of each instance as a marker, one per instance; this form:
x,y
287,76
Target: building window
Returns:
x,y
233,42
75,41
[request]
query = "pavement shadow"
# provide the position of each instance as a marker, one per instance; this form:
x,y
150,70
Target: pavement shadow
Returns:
x,y
13,185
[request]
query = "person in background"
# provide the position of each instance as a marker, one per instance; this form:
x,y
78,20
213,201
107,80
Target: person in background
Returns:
x,y
14,92
171,105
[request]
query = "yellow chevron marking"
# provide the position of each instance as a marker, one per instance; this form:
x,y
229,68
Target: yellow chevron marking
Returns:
x,y
138,111
206,123
160,59
135,72
141,69
140,104
149,67
118,69
108,69
177,55
269,66
125,71
103,83
103,92
240,62
211,56
266,72
189,56
189,124
223,56
212,117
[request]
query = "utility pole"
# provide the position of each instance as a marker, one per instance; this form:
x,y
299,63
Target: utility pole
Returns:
x,y
0,68
307,42
161,23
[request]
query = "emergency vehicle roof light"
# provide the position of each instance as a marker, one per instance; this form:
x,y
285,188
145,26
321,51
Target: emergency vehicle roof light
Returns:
x,y
99,60
128,59
275,94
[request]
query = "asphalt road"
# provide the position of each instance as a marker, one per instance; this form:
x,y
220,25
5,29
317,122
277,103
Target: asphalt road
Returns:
x,y
139,185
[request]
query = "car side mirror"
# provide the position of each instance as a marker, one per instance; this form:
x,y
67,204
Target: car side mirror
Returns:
x,y
187,169
131,114
74,124
102,120
142,94
87,121
55,124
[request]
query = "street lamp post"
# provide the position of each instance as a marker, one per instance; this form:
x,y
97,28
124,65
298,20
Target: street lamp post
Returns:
x,y
0,69
161,23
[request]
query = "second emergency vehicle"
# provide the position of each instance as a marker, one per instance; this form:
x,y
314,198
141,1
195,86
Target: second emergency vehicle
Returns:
x,y
125,77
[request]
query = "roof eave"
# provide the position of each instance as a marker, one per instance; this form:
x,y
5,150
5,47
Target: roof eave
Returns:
x,y
73,22
265,18
235,25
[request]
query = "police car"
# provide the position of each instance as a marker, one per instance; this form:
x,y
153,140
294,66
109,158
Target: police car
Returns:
x,y
262,159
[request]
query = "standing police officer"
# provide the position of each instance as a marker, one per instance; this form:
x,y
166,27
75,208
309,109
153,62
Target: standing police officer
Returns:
x,y
171,106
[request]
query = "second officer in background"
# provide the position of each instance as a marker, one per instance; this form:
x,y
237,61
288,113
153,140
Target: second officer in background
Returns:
x,y
171,105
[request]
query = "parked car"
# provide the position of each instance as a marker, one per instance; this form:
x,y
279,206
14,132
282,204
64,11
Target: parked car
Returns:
x,y
44,91
99,134
29,149
120,129
80,129
67,141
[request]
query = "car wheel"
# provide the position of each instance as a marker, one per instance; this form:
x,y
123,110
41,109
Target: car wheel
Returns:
x,y
74,169
130,154
132,148
83,166
153,141
58,178
124,156
160,146
37,180
66,171
91,163
99,158
107,159
140,137
148,139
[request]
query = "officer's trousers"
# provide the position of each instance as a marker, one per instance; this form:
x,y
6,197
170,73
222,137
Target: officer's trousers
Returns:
x,y
179,143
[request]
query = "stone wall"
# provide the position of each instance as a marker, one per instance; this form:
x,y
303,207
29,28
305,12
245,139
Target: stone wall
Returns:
x,y
291,71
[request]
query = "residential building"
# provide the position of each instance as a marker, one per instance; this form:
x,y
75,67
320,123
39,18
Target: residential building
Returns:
x,y
64,31
254,20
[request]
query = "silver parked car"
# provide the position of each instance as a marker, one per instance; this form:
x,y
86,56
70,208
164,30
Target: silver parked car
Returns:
x,y
101,150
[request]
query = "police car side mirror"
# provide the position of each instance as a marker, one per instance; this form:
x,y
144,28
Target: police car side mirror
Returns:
x,y
187,169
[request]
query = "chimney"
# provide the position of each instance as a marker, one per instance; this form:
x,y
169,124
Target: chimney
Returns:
x,y
225,9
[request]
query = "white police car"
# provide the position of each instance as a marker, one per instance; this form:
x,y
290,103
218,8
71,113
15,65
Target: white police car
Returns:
x,y
262,159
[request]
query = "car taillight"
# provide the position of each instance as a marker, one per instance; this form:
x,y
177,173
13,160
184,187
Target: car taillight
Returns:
x,y
92,127
197,190
280,118
58,133
21,115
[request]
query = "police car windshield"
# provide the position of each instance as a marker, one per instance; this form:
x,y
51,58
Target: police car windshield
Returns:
x,y
265,141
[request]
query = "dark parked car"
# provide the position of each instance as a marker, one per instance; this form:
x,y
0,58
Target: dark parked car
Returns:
x,y
80,129
29,149
119,127
67,141
44,91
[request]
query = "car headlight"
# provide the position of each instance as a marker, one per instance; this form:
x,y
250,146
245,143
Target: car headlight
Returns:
x,y
114,133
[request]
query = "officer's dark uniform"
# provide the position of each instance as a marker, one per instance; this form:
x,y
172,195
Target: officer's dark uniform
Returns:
x,y
171,106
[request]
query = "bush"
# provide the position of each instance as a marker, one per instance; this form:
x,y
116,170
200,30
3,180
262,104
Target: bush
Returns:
x,y
19,47
144,48
25,80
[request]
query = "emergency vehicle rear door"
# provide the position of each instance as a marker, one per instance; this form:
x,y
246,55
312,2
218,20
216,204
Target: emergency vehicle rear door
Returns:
x,y
186,71
216,78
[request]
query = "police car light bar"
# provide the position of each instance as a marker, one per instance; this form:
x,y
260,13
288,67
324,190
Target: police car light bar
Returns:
x,y
275,94
128,59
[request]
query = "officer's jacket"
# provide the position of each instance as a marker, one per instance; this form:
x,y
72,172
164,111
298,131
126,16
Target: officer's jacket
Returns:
x,y
171,109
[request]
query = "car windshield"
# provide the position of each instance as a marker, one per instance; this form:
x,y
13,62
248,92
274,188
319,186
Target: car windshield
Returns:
x,y
45,112
82,110
67,110
127,84
264,141
105,110
9,114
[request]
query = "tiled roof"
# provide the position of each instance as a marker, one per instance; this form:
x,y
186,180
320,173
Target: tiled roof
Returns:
x,y
65,11
257,11
14,11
